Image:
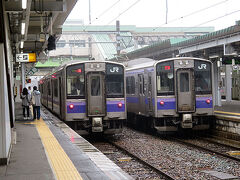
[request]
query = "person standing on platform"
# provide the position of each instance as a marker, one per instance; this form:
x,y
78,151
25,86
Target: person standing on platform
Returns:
x,y
30,92
36,103
26,97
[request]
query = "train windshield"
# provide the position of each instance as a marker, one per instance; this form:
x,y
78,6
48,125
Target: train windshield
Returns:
x,y
75,81
165,78
202,75
114,80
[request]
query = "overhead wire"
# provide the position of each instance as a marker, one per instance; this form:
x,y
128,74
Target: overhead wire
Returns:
x,y
124,11
105,11
233,12
192,13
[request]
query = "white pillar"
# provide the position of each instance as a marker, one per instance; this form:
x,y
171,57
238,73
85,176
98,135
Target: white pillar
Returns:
x,y
228,84
23,74
5,130
216,88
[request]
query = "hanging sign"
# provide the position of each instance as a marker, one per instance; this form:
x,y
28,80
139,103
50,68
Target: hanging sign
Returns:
x,y
26,57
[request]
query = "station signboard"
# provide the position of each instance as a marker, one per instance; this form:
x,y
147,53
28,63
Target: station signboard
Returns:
x,y
26,57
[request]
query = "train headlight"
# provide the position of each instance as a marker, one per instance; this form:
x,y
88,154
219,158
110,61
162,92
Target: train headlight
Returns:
x,y
208,101
71,106
120,105
161,103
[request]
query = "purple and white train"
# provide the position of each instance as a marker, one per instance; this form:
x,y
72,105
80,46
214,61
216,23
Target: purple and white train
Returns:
x,y
170,94
90,96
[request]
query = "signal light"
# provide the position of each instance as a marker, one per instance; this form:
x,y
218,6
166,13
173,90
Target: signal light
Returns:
x,y
120,105
161,103
71,106
208,101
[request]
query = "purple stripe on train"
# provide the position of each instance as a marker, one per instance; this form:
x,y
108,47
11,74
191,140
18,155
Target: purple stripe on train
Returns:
x,y
169,103
80,107
112,106
201,102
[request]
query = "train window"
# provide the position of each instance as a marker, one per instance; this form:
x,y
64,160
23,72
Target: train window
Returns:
x,y
55,86
114,80
202,75
75,81
130,82
165,78
140,84
95,86
49,88
184,82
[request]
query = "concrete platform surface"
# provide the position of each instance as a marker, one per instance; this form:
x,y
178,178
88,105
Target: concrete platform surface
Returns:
x,y
31,158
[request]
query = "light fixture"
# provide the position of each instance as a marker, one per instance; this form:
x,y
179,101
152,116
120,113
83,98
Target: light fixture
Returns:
x,y
21,44
24,4
23,28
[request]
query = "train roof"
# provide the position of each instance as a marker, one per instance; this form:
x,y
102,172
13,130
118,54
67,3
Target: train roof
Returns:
x,y
147,62
69,63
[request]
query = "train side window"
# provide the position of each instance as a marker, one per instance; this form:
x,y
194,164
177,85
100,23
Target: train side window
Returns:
x,y
184,82
49,89
55,84
130,83
140,84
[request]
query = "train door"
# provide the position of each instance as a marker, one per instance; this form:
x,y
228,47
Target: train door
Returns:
x,y
149,93
60,96
141,95
96,94
185,90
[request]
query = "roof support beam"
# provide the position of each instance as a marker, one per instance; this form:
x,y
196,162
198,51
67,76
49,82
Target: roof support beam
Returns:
x,y
217,42
46,5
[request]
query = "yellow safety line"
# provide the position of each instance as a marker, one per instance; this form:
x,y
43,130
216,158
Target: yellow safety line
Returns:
x,y
230,113
61,164
234,153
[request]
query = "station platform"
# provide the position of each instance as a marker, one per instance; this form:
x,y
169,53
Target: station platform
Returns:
x,y
48,149
229,110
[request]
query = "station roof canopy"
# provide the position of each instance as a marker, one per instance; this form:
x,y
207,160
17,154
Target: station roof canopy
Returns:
x,y
41,19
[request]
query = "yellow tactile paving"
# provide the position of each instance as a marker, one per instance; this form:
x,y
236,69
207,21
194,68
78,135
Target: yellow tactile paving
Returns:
x,y
61,164
232,153
230,113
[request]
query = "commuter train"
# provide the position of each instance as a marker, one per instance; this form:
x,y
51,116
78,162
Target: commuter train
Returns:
x,y
171,94
89,96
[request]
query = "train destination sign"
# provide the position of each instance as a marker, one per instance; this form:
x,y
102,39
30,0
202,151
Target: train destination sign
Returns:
x,y
26,57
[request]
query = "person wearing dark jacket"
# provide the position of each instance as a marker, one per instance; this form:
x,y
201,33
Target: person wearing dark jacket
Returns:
x,y
36,103
26,97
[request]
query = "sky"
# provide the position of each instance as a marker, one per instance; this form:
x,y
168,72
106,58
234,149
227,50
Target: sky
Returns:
x,y
152,13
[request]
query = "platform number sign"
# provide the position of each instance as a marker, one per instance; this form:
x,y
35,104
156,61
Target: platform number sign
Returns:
x,y
22,57
26,57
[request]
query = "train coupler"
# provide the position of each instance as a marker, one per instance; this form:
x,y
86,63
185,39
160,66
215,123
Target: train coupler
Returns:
x,y
97,125
187,121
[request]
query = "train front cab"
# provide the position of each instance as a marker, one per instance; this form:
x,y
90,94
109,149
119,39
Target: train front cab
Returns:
x,y
100,106
187,104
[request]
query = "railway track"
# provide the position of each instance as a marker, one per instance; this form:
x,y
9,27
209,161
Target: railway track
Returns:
x,y
211,146
132,154
177,160
128,161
